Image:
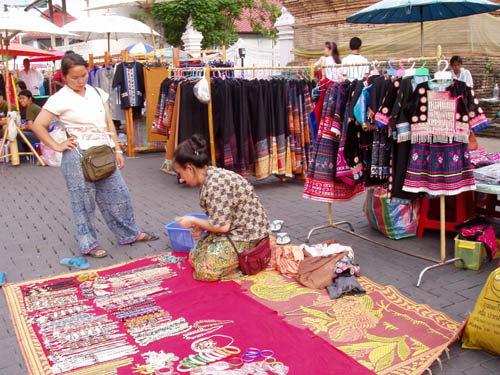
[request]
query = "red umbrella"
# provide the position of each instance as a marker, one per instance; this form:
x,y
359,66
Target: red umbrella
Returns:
x,y
18,49
57,55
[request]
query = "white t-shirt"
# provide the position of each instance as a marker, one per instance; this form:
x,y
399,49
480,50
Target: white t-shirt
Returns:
x,y
355,72
330,71
33,78
82,116
465,76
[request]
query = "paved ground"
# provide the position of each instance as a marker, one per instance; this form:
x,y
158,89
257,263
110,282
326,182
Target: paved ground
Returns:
x,y
36,230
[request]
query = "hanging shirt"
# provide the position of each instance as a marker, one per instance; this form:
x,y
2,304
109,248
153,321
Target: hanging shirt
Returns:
x,y
332,73
130,78
464,76
444,112
33,79
82,116
355,72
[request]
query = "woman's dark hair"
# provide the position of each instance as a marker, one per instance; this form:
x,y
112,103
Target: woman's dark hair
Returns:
x,y
22,85
332,46
455,59
192,151
26,93
70,60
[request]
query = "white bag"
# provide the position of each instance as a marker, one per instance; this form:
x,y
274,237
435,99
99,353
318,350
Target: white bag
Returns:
x,y
50,157
201,91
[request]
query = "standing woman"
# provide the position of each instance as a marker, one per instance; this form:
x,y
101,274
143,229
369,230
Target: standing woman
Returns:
x,y
232,207
329,58
85,115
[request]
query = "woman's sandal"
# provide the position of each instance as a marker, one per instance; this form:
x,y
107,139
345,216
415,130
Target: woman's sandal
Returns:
x,y
97,253
146,237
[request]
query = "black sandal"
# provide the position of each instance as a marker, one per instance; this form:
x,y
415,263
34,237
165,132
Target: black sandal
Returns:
x,y
147,237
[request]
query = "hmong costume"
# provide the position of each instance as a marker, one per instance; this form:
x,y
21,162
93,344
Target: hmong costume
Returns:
x,y
443,119
130,79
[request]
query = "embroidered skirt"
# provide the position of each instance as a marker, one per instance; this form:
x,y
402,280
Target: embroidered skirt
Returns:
x,y
214,260
439,169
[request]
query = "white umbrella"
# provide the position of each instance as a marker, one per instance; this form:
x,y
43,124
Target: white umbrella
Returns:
x,y
111,26
11,24
145,4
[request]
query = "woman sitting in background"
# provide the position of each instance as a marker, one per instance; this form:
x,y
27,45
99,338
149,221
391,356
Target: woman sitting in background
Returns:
x,y
232,207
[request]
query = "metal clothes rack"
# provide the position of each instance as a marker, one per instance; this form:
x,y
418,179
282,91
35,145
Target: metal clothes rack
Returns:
x,y
442,261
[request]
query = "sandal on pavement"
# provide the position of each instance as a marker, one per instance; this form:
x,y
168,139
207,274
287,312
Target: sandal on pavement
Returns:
x,y
146,237
276,225
282,238
97,253
77,262
2,278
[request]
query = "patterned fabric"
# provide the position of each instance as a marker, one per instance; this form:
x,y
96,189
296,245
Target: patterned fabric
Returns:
x,y
164,108
446,115
111,195
228,198
382,117
214,259
130,79
439,169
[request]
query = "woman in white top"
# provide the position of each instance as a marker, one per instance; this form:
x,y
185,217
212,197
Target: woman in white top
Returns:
x,y
460,73
85,115
326,62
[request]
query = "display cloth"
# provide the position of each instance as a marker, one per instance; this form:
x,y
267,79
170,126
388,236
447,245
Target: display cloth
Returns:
x,y
67,319
383,330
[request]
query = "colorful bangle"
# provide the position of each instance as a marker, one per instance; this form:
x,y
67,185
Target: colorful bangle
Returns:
x,y
164,371
235,362
247,358
182,368
270,360
271,353
234,349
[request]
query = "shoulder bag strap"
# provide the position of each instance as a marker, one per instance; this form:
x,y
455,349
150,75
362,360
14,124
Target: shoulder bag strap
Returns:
x,y
232,243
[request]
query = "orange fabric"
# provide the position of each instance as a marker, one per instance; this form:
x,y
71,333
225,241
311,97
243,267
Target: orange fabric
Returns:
x,y
286,259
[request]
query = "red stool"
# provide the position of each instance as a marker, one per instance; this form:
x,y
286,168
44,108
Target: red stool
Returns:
x,y
458,209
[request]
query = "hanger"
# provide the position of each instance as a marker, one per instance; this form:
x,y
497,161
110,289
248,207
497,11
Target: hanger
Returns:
x,y
442,74
401,72
411,71
374,71
422,71
391,71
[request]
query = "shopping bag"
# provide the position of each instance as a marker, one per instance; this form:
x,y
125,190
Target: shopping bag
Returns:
x,y
482,330
392,219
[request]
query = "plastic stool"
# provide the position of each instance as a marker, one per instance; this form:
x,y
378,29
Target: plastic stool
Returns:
x,y
429,212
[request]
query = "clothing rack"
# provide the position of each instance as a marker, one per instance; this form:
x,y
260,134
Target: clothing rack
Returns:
x,y
337,225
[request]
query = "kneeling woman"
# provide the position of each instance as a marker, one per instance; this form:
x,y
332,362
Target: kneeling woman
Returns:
x,y
232,207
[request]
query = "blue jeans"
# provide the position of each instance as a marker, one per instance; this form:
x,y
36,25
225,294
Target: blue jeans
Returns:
x,y
111,195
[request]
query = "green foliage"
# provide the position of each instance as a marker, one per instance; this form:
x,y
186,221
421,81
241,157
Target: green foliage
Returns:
x,y
215,19
489,67
141,17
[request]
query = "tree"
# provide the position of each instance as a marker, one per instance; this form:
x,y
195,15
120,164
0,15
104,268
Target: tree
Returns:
x,y
215,19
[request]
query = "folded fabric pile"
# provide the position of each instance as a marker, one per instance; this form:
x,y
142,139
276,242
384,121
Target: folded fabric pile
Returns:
x,y
488,175
327,265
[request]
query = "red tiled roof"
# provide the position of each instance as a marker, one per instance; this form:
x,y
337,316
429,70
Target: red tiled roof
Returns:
x,y
244,25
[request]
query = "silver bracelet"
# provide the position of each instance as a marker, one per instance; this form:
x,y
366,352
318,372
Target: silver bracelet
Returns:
x,y
119,151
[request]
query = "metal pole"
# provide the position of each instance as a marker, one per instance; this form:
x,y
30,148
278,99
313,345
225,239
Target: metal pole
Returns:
x,y
422,31
210,117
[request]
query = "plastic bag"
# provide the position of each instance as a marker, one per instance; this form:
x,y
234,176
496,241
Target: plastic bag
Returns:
x,y
201,91
482,331
393,220
50,157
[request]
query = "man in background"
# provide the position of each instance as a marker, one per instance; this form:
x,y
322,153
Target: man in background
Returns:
x,y
32,77
355,72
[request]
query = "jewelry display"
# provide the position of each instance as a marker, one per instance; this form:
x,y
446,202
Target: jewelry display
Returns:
x,y
206,356
204,327
170,259
228,368
157,363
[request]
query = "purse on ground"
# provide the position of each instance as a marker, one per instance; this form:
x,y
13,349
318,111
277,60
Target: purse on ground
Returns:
x,y
254,260
98,163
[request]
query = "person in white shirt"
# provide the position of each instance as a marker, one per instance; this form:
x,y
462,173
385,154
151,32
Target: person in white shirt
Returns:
x,y
32,77
326,62
460,73
85,114
355,72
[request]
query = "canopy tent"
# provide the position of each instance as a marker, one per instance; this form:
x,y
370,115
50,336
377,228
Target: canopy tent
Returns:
x,y
477,35
56,55
18,49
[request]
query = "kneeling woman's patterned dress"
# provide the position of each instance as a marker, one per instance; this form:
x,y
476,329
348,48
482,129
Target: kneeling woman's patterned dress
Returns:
x,y
227,198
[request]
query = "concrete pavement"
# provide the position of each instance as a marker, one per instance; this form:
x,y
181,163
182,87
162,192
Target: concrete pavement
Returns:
x,y
37,230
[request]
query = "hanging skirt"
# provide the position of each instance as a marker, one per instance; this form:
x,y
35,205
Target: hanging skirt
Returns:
x,y
439,169
214,259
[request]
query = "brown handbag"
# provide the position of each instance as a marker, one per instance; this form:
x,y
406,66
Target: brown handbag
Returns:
x,y
254,260
98,162
318,272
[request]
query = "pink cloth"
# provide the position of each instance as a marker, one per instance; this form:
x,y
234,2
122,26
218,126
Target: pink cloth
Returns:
x,y
286,259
